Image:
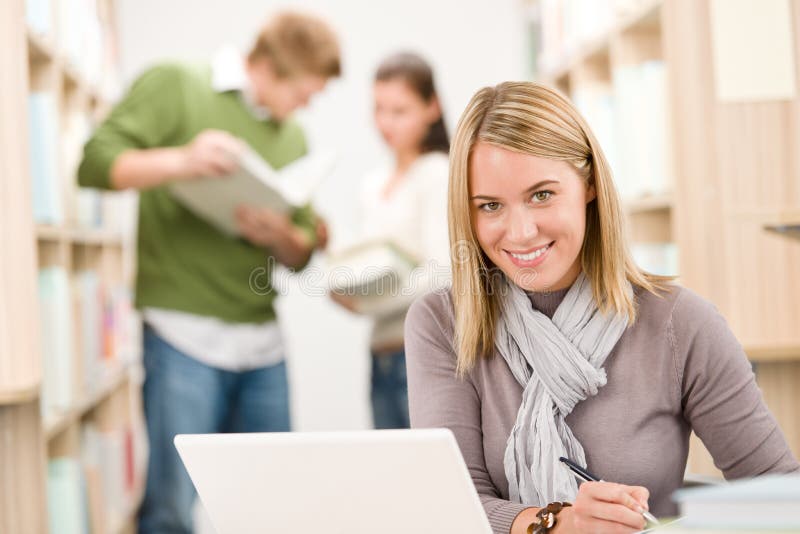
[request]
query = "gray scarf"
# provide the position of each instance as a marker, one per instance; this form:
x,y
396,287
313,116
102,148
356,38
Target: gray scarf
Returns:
x,y
559,363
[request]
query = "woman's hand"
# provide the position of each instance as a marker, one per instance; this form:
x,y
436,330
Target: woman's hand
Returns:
x,y
345,301
321,230
605,508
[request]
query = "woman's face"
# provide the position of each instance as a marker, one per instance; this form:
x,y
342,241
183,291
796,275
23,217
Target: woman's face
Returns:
x,y
529,215
402,116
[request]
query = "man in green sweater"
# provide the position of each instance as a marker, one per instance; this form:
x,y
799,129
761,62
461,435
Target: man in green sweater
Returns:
x,y
213,354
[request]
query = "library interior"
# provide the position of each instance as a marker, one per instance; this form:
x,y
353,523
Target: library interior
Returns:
x,y
251,200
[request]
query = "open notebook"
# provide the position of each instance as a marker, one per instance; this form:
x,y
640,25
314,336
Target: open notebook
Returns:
x,y
372,273
256,183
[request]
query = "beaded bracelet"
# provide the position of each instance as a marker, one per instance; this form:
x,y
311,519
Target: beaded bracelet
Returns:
x,y
547,517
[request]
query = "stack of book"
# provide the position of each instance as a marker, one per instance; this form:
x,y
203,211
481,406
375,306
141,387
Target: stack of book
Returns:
x,y
760,505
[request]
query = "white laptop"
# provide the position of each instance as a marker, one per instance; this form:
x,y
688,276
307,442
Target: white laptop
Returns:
x,y
366,482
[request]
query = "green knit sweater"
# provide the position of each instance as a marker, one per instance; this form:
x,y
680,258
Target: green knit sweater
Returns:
x,y
183,263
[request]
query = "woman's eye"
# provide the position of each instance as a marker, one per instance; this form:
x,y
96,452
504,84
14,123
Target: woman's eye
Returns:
x,y
490,206
542,196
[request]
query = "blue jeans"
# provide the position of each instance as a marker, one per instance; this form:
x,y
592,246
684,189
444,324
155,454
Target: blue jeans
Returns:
x,y
389,390
185,396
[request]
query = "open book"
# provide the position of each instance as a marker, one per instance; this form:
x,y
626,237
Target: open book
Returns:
x,y
372,273
255,183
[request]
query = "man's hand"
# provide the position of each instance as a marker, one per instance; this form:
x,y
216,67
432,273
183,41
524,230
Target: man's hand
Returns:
x,y
263,227
211,153
290,245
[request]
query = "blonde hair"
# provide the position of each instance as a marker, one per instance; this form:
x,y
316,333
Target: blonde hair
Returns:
x,y
298,43
531,118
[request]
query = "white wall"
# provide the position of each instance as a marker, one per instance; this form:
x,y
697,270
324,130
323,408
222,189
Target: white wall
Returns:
x,y
471,43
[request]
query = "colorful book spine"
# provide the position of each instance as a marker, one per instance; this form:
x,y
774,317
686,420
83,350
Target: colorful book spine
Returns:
x,y
56,335
66,497
44,160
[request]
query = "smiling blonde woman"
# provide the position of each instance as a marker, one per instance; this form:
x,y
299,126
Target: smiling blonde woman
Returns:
x,y
552,342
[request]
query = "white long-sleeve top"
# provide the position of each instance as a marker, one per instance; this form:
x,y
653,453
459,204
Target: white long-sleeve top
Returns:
x,y
414,216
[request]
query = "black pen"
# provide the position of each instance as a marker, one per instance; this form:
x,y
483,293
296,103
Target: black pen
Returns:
x,y
581,472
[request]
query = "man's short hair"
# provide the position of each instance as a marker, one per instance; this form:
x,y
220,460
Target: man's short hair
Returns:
x,y
298,43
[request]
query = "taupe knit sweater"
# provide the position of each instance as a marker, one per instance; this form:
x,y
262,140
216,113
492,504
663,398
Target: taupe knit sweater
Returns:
x,y
677,368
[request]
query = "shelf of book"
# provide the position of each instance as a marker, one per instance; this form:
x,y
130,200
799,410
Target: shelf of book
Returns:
x,y
58,422
785,224
773,352
79,236
99,455
716,201
643,14
69,414
662,202
20,395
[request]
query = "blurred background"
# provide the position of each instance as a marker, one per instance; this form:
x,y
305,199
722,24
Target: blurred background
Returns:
x,y
329,370
694,102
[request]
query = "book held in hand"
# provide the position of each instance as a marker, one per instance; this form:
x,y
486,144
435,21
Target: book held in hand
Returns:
x,y
256,184
372,273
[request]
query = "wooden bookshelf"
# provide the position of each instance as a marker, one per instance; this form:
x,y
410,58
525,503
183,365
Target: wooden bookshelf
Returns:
x,y
103,394
773,353
40,48
785,224
57,423
732,209
649,204
46,233
646,15
22,475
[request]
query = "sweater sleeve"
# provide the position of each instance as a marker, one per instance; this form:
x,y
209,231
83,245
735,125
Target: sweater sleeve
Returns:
x,y
439,399
721,400
144,118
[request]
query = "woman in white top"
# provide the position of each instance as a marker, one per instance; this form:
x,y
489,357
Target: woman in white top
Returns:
x,y
405,203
